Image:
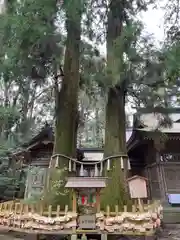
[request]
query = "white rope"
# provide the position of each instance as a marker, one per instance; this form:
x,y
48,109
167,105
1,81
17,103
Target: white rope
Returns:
x,y
90,163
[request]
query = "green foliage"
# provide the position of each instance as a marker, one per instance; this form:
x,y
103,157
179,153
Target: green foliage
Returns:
x,y
12,181
6,145
137,66
116,182
56,193
54,188
28,38
31,48
8,115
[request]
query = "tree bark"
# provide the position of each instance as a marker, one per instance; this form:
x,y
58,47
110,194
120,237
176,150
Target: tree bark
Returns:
x,y
115,138
115,123
67,104
67,109
115,144
97,128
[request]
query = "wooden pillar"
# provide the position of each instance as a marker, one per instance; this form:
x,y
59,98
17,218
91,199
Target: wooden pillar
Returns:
x,y
74,209
74,201
160,176
28,180
98,200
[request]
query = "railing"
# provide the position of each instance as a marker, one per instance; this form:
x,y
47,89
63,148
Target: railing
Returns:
x,y
21,217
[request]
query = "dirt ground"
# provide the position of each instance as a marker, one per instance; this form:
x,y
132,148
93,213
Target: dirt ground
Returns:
x,y
5,237
29,237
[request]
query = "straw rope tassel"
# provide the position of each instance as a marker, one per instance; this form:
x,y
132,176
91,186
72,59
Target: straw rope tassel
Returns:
x,y
50,164
70,165
129,165
101,168
122,163
108,165
81,171
74,166
57,162
96,171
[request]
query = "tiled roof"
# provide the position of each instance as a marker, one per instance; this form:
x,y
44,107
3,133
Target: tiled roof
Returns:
x,y
49,130
150,121
175,128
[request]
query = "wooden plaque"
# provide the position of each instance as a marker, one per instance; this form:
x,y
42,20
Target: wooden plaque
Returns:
x,y
137,187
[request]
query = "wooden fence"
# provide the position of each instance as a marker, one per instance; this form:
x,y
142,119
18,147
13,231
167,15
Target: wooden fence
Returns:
x,y
21,217
18,207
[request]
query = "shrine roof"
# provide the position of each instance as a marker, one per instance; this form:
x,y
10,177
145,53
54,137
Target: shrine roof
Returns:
x,y
46,133
46,136
174,128
150,122
136,177
86,182
146,123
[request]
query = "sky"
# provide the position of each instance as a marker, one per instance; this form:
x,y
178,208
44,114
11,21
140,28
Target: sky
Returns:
x,y
153,20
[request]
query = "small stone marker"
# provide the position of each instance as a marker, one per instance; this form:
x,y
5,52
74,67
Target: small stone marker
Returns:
x,y
87,222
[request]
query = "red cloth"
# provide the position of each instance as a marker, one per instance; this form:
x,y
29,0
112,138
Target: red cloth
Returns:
x,y
83,199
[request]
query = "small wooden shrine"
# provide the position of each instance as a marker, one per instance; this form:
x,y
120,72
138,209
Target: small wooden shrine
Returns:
x,y
86,193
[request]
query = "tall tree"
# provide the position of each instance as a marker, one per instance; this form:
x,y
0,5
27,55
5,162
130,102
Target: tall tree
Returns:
x,y
129,69
29,41
67,96
115,140
67,105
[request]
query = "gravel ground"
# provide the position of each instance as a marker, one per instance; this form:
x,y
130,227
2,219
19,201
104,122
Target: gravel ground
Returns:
x,y
168,232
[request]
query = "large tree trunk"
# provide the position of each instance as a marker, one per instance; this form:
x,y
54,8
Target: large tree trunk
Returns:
x,y
97,128
115,140
67,109
115,123
115,144
67,106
